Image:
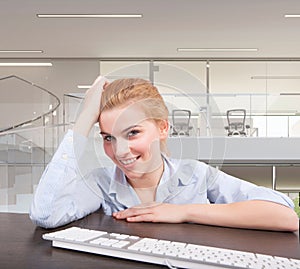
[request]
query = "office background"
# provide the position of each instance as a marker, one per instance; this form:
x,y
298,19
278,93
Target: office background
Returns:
x,y
225,55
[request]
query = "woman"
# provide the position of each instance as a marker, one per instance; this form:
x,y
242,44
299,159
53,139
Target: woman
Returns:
x,y
145,184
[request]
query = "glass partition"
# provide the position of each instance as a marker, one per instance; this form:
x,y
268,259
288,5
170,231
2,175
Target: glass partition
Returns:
x,y
266,111
71,107
271,91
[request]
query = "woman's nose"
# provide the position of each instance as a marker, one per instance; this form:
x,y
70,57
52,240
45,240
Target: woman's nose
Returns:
x,y
121,147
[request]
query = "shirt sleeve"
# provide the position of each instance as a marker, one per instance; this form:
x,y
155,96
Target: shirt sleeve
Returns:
x,y
64,193
223,188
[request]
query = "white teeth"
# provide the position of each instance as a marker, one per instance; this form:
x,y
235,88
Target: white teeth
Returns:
x,y
129,161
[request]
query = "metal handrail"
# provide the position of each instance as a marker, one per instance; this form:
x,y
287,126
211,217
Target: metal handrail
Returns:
x,y
9,132
38,117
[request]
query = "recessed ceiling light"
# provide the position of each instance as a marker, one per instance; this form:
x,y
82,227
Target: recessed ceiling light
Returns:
x,y
24,64
289,93
275,77
89,15
216,49
84,86
21,51
292,15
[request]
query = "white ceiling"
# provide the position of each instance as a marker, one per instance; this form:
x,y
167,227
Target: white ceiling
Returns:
x,y
165,26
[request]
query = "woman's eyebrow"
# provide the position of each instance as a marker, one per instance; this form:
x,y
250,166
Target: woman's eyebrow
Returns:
x,y
104,133
123,131
130,127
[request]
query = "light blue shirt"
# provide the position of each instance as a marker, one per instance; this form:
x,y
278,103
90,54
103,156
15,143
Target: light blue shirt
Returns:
x,y
66,193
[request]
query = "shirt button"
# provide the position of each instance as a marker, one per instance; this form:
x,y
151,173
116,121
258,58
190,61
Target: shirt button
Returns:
x,y
70,139
64,156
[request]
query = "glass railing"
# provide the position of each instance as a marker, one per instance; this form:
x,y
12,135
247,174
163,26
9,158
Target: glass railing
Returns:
x,y
24,154
25,104
29,135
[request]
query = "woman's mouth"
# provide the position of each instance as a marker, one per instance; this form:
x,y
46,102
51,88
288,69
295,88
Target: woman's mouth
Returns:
x,y
128,161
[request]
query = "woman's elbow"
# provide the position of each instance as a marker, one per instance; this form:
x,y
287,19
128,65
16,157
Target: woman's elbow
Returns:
x,y
48,218
292,222
44,222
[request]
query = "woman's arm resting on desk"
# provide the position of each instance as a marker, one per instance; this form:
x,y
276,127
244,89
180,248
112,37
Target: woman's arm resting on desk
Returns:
x,y
255,214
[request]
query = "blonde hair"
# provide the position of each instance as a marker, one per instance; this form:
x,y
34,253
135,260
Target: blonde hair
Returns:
x,y
122,92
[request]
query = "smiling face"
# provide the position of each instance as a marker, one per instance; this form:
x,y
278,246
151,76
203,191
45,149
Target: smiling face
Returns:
x,y
132,142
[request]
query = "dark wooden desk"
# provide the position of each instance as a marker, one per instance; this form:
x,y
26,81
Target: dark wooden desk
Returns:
x,y
23,247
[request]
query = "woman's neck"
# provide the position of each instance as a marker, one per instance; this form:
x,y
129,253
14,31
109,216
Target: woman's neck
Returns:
x,y
148,180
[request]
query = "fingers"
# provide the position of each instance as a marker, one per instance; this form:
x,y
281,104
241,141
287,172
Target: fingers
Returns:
x,y
100,82
135,215
169,213
129,213
141,218
105,85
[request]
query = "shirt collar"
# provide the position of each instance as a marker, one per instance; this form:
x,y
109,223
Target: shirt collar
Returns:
x,y
122,190
172,181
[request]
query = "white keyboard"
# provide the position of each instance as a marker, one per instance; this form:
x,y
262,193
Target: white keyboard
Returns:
x,y
169,253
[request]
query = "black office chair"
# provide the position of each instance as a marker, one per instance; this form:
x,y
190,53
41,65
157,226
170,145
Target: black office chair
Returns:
x,y
181,122
236,119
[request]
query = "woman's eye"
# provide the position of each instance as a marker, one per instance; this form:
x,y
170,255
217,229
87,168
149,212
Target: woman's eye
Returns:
x,y
107,138
133,133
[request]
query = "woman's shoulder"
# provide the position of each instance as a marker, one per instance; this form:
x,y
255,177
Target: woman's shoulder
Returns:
x,y
188,166
187,163
103,172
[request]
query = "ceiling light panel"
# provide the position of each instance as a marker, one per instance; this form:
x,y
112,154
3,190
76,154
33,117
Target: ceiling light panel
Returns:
x,y
84,86
292,16
21,51
275,77
24,64
89,15
217,49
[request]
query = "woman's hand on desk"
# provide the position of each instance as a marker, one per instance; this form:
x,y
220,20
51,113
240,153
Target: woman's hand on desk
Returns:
x,y
254,214
156,212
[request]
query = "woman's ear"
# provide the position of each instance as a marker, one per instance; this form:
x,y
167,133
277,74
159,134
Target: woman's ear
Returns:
x,y
163,129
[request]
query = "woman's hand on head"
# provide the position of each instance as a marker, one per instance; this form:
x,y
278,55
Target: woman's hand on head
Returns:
x,y
91,107
93,97
169,213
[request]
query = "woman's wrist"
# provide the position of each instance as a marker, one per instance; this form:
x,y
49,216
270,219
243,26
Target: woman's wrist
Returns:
x,y
196,213
188,213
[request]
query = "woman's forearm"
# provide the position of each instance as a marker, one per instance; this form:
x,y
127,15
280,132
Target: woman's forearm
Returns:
x,y
91,107
84,124
255,214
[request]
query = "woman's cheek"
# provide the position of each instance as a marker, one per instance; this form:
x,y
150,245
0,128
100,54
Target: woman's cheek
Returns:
x,y
108,150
